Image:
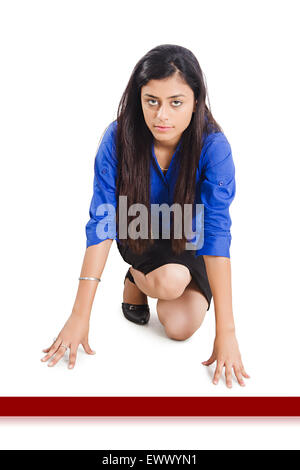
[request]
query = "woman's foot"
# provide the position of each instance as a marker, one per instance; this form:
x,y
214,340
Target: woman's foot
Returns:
x,y
134,306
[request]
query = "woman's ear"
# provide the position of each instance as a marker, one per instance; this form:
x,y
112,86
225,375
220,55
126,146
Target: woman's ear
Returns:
x,y
195,106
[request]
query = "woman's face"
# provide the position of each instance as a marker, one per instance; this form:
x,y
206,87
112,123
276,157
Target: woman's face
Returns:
x,y
167,102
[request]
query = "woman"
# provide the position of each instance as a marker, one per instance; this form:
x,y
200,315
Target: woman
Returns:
x,y
164,147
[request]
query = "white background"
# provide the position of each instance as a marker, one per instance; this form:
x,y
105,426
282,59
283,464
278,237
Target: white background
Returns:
x,y
64,67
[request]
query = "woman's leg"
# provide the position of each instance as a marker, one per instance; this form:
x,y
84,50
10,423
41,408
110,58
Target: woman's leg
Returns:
x,y
181,308
181,317
166,282
132,294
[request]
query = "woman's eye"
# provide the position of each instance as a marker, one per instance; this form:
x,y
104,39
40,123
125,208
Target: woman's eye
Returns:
x,y
175,101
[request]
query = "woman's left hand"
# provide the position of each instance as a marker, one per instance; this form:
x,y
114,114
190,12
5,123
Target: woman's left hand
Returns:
x,y
226,353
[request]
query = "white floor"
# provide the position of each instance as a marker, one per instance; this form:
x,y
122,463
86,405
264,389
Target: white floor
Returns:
x,y
134,360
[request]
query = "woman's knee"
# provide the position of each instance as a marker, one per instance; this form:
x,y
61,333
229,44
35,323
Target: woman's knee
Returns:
x,y
171,282
180,322
178,332
177,324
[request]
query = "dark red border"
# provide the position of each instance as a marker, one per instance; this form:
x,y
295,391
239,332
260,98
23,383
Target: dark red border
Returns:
x,y
149,406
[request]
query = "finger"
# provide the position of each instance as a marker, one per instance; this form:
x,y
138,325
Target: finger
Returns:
x,y
73,355
238,374
209,361
60,353
47,349
218,372
52,349
245,373
228,375
87,348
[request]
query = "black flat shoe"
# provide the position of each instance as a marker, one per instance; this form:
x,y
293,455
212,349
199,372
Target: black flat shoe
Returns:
x,y
139,314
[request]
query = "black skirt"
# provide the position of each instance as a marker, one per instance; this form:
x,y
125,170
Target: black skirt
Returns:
x,y
161,253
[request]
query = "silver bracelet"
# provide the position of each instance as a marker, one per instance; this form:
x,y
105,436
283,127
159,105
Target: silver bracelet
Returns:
x,y
90,278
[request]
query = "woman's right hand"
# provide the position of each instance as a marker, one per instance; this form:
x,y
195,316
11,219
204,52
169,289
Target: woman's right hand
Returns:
x,y
74,332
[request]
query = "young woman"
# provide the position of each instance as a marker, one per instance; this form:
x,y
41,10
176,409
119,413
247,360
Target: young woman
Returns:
x,y
164,148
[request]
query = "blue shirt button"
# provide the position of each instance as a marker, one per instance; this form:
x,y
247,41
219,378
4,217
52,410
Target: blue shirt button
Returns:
x,y
220,183
104,171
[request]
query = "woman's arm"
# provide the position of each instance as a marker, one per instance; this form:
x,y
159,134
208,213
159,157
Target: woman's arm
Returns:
x,y
226,350
98,243
217,191
76,329
218,270
93,265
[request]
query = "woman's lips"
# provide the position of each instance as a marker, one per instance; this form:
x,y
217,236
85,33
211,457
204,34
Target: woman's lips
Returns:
x,y
163,128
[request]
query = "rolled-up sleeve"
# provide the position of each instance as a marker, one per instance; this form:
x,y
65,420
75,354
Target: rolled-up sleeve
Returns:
x,y
102,223
217,191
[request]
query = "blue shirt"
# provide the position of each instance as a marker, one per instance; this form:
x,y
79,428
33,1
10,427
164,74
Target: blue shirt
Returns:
x,y
215,189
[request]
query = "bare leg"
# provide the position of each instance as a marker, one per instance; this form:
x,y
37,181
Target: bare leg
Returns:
x,y
181,317
166,282
132,294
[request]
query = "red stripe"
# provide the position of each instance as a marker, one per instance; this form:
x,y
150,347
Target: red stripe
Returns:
x,y
149,406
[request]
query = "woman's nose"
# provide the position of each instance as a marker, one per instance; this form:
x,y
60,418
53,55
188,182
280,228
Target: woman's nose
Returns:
x,y
162,113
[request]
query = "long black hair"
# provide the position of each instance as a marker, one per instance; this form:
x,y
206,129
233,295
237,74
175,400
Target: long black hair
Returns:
x,y
134,139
